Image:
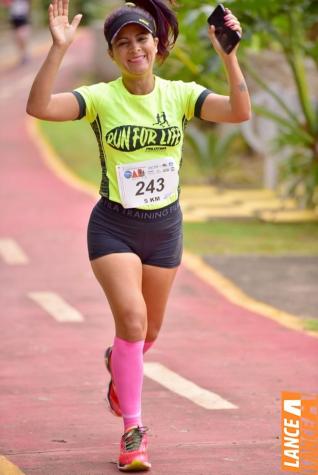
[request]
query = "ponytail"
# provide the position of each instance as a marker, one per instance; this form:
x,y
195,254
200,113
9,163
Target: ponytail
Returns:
x,y
166,22
167,28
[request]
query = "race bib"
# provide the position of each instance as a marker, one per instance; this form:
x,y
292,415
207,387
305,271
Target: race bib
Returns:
x,y
149,182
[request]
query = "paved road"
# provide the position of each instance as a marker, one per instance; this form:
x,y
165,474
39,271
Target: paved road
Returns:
x,y
53,416
288,283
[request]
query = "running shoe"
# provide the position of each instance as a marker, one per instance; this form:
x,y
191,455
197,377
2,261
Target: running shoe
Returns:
x,y
111,392
133,450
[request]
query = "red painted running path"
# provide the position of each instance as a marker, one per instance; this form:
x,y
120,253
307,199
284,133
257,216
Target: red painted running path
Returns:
x,y
53,416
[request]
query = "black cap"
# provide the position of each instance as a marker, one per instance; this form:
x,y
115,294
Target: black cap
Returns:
x,y
126,19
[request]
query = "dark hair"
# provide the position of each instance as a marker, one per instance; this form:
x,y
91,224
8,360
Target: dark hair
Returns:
x,y
164,17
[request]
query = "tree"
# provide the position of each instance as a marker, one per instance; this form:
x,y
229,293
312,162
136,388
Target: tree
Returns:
x,y
290,27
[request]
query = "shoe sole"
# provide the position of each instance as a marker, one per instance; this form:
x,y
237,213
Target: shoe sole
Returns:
x,y
135,466
106,358
109,404
107,364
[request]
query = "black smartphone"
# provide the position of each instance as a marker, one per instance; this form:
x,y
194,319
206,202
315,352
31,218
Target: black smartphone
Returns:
x,y
227,37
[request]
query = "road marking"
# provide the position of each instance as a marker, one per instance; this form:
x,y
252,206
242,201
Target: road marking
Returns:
x,y
56,306
8,468
185,388
11,252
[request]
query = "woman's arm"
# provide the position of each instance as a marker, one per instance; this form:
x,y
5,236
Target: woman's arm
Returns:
x,y
237,106
42,103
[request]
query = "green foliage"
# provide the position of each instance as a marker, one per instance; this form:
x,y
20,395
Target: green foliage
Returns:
x,y
292,27
251,237
90,10
193,58
3,14
311,324
289,27
212,151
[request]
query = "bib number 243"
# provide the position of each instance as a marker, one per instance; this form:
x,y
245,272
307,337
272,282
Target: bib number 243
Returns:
x,y
152,187
148,182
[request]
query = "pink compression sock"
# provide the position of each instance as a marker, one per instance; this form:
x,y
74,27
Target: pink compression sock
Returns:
x,y
127,371
148,345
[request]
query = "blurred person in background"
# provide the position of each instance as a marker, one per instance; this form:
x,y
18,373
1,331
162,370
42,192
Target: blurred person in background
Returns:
x,y
19,17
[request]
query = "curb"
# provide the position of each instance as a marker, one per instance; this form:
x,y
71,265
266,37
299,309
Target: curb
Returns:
x,y
235,295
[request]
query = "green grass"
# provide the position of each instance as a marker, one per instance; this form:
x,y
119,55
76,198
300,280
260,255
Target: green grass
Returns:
x,y
75,143
311,325
251,237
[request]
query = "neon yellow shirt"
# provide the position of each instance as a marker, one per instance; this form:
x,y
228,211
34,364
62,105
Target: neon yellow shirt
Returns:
x,y
133,128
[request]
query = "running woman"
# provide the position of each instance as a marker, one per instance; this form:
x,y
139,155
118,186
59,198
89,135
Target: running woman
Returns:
x,y
135,229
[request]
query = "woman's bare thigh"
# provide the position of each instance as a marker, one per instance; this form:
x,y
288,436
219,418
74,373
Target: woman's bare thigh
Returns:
x,y
120,276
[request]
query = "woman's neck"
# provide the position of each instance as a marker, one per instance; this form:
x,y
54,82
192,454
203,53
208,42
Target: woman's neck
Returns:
x,y
139,86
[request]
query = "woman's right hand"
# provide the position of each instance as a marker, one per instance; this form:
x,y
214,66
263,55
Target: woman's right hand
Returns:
x,y
62,31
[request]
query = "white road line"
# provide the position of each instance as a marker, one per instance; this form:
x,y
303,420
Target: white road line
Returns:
x,y
185,388
11,252
56,306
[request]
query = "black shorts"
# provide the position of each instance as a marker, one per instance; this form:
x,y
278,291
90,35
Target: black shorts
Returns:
x,y
17,22
155,236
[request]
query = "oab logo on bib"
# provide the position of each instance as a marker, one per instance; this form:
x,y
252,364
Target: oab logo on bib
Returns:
x,y
147,182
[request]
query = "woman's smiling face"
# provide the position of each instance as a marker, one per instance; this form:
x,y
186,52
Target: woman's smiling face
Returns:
x,y
134,50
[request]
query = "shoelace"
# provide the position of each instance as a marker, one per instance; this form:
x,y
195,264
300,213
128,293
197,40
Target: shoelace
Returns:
x,y
133,438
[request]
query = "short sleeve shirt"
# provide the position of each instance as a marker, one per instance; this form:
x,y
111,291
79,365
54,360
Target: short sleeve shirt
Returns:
x,y
132,128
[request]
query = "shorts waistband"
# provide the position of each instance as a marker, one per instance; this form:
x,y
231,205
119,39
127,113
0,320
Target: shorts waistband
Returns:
x,y
141,214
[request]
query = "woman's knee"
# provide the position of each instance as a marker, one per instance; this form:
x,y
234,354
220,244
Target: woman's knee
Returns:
x,y
154,324
131,324
152,333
